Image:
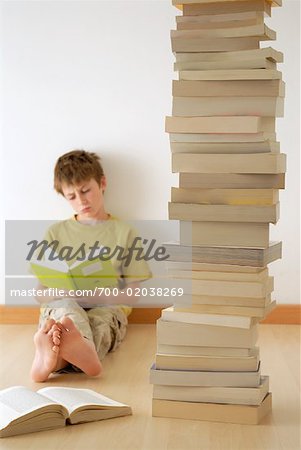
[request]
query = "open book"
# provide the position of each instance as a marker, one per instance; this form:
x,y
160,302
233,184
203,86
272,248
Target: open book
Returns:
x,y
86,274
24,411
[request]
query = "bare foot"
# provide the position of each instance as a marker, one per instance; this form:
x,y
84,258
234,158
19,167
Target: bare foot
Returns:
x,y
78,350
46,355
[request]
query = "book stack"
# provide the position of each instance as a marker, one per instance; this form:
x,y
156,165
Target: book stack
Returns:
x,y
224,147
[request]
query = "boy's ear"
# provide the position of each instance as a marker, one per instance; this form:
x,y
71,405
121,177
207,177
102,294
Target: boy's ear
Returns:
x,y
103,183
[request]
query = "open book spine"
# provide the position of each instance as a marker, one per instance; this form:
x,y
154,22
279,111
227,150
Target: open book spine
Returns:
x,y
223,145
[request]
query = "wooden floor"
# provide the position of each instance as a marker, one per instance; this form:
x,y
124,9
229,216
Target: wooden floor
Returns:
x,y
126,380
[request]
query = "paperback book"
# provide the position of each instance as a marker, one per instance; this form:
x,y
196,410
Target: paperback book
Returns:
x,y
25,411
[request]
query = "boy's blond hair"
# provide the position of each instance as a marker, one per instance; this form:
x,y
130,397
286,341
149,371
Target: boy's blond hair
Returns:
x,y
75,167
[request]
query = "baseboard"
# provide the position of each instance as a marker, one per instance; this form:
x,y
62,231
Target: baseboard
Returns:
x,y
282,314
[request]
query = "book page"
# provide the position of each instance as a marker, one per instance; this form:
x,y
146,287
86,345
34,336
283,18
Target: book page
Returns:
x,y
22,400
7,415
73,398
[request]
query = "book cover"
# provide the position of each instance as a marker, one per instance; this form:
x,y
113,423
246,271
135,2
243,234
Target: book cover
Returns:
x,y
87,274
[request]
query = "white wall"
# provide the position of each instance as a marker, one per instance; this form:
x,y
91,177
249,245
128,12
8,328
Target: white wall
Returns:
x,y
97,75
286,21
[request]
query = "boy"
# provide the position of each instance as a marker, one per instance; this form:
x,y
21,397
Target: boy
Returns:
x,y
70,335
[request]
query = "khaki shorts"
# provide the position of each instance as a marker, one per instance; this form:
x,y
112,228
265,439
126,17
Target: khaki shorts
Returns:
x,y
103,325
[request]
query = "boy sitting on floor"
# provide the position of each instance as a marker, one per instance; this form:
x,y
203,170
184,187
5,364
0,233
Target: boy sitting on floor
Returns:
x,y
72,334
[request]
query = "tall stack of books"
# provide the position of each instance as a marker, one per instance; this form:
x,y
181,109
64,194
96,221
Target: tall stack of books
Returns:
x,y
224,147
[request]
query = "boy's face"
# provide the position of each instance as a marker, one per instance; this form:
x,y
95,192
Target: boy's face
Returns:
x,y
86,199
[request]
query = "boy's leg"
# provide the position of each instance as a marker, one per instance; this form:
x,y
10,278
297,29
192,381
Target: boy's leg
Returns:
x,y
109,324
70,308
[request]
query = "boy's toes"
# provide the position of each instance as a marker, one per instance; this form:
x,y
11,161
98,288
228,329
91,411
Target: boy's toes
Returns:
x,y
68,324
56,337
55,327
46,327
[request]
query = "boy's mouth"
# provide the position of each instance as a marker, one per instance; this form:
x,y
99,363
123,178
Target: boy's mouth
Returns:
x,y
85,210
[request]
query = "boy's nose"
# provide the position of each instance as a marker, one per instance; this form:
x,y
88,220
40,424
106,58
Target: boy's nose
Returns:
x,y
81,198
